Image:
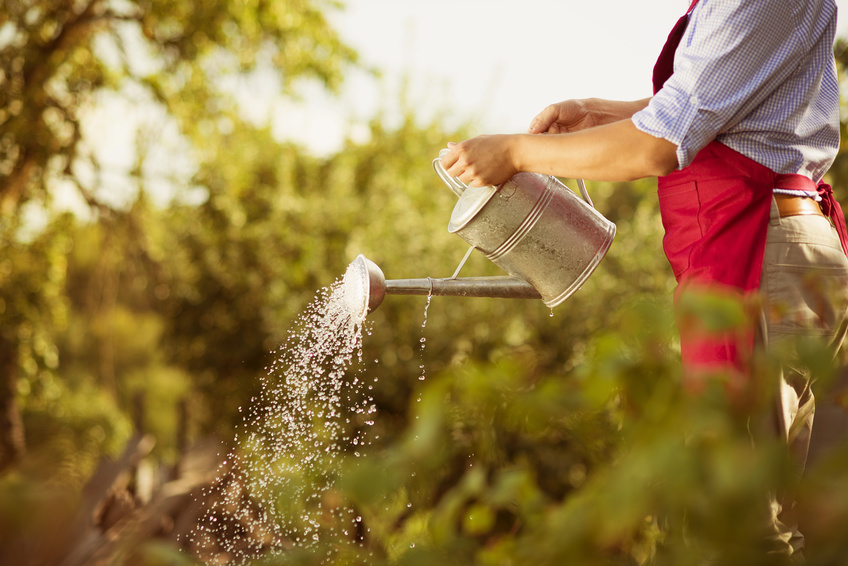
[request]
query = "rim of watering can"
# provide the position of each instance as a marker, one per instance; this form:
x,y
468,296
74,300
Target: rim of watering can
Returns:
x,y
469,206
364,287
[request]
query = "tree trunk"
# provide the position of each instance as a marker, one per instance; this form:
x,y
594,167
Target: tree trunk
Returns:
x,y
12,444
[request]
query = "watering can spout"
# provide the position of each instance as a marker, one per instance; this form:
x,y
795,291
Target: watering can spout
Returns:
x,y
366,287
533,227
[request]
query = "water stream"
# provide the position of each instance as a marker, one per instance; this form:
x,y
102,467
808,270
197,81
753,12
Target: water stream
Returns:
x,y
276,490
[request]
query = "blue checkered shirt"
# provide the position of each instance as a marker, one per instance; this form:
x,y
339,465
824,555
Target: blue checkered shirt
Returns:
x,y
758,76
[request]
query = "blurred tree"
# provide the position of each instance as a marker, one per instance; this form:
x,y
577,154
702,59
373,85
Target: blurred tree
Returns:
x,y
32,305
56,56
506,433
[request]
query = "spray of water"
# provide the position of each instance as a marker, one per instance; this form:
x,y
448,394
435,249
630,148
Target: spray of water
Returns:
x,y
276,491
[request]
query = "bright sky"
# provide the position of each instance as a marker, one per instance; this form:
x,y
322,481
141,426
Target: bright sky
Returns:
x,y
497,62
494,63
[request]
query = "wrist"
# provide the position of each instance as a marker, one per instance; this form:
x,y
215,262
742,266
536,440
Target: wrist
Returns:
x,y
601,111
518,152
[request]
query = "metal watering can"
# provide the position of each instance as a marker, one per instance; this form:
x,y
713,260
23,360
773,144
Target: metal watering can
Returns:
x,y
542,234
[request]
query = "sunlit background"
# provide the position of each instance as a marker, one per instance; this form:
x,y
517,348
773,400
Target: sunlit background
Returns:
x,y
224,161
490,63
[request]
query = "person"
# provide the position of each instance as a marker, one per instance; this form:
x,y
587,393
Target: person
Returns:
x,y
741,128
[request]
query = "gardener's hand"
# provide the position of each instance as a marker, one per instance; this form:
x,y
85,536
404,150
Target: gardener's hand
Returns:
x,y
483,160
575,115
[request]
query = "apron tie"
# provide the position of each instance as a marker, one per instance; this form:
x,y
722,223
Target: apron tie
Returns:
x,y
833,210
829,205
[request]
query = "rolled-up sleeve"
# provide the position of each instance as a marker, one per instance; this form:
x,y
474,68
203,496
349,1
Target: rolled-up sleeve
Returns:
x,y
733,56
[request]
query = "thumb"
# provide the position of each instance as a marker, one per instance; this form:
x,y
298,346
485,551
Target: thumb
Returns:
x,y
543,120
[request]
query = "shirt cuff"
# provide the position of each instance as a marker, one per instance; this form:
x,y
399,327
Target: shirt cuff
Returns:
x,y
670,118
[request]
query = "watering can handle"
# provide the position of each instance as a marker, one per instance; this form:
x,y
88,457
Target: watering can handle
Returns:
x,y
582,186
454,184
458,187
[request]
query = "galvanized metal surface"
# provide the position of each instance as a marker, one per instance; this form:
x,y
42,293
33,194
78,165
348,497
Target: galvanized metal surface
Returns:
x,y
365,287
542,234
534,228
503,287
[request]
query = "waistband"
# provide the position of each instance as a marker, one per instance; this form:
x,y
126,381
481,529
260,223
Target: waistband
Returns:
x,y
829,205
796,205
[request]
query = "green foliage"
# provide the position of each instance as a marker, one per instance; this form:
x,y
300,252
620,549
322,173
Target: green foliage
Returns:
x,y
32,301
69,429
505,433
60,55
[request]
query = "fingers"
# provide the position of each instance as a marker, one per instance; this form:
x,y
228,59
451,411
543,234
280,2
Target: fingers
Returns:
x,y
544,120
456,165
452,163
480,161
455,162
562,117
449,158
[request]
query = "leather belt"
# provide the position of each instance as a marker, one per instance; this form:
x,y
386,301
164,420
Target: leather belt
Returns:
x,y
789,205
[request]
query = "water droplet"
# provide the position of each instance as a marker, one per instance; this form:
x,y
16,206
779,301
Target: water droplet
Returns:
x,y
298,424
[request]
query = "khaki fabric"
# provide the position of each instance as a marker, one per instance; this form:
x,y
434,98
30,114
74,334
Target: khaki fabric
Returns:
x,y
804,289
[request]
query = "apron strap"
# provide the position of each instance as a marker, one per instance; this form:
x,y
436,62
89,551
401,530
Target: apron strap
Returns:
x,y
664,66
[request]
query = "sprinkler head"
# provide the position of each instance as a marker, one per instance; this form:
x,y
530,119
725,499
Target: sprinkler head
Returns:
x,y
364,287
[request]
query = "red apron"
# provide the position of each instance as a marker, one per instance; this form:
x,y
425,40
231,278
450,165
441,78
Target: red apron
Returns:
x,y
715,213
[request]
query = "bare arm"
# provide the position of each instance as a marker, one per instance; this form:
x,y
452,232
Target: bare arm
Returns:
x,y
575,115
616,151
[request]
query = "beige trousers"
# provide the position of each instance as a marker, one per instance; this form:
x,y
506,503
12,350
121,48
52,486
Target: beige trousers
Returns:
x,y
804,289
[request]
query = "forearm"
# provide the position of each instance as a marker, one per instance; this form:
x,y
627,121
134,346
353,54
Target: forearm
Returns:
x,y
609,111
617,151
